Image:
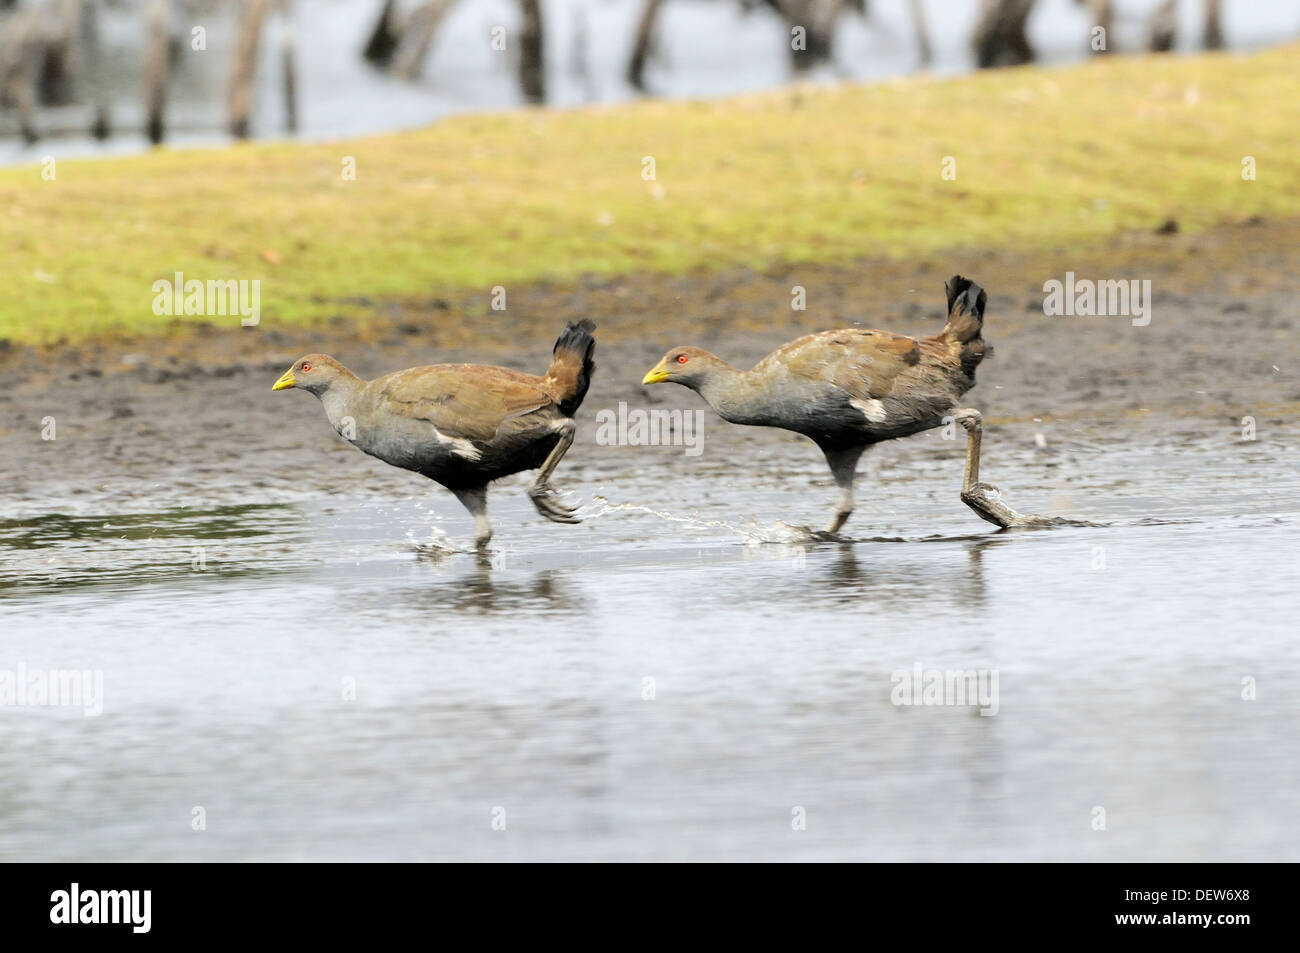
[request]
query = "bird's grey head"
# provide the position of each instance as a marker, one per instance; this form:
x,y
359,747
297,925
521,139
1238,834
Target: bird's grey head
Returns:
x,y
688,366
314,373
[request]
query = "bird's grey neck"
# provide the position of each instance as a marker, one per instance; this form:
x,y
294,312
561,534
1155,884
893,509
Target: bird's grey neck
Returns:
x,y
337,399
734,394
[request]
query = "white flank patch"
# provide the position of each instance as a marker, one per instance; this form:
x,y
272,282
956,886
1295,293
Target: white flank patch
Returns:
x,y
460,446
872,409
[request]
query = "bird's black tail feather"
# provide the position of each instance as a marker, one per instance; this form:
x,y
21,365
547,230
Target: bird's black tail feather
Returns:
x,y
965,324
571,363
965,309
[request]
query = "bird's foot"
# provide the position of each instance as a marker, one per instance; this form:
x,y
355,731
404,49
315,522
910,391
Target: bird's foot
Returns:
x,y
985,500
549,505
826,535
837,523
843,508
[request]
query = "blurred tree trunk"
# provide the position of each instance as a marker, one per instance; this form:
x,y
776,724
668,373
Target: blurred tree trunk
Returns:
x,y
1103,16
157,67
532,53
96,73
385,36
20,45
817,20
1000,38
1164,27
923,49
1213,34
288,66
252,17
641,46
59,61
417,37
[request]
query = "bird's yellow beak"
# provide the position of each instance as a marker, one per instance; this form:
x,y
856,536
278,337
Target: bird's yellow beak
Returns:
x,y
286,380
656,375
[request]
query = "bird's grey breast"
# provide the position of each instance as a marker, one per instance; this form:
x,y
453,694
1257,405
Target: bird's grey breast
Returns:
x,y
397,435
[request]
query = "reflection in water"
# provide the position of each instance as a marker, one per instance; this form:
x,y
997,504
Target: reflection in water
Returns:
x,y
975,580
472,585
220,522
891,576
58,551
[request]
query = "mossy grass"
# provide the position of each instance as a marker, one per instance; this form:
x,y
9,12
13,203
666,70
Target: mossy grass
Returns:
x,y
1043,158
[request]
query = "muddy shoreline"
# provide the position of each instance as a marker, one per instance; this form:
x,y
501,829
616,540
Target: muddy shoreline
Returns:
x,y
196,404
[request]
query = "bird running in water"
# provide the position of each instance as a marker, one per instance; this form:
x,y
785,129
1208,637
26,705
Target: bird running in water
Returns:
x,y
849,389
462,425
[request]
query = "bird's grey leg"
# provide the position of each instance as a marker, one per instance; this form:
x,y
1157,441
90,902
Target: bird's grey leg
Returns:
x,y
540,492
475,500
981,497
844,465
973,421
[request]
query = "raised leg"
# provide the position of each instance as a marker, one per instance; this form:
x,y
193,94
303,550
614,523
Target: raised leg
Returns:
x,y
982,497
475,500
844,466
540,492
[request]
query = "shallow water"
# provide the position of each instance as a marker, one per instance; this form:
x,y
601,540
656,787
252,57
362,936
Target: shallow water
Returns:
x,y
519,682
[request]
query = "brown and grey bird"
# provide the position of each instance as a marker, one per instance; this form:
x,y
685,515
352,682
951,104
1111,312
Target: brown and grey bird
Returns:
x,y
462,425
852,388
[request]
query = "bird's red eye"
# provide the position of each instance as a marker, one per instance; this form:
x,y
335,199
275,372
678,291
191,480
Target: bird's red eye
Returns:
x,y
681,358
306,366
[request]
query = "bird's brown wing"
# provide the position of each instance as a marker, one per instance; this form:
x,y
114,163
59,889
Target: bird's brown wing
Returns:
x,y
862,363
462,400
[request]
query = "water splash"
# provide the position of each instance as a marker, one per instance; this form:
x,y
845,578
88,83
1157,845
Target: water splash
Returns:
x,y
778,532
439,545
751,533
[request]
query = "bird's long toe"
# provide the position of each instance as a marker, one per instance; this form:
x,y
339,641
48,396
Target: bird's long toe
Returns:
x,y
548,505
559,514
986,500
